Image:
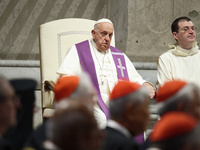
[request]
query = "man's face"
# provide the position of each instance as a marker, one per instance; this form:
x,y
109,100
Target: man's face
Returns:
x,y
8,108
186,34
102,36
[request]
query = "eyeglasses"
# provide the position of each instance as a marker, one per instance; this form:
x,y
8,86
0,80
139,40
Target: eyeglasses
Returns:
x,y
187,29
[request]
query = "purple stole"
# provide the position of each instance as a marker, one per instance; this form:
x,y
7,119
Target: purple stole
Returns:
x,y
88,66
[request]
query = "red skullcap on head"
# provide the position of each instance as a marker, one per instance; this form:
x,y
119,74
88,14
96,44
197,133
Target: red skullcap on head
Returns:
x,y
169,89
65,86
171,125
123,88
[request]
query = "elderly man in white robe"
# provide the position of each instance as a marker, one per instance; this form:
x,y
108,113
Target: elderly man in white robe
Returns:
x,y
105,65
182,61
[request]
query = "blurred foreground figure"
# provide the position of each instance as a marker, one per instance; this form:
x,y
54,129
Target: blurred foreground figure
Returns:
x,y
129,116
18,134
176,131
68,88
8,110
75,88
177,95
74,128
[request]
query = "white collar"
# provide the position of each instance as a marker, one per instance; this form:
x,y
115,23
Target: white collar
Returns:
x,y
177,50
118,127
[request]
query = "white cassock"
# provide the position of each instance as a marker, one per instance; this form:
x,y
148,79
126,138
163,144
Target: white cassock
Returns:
x,y
105,71
179,64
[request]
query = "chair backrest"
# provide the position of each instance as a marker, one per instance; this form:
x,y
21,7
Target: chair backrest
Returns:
x,y
55,39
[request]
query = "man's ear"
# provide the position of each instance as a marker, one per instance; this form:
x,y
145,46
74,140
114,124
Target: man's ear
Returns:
x,y
175,35
93,33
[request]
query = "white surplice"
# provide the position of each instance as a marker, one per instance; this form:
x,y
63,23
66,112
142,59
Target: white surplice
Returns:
x,y
105,70
179,63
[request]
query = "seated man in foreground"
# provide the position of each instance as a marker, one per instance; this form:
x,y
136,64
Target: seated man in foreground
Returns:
x,y
129,116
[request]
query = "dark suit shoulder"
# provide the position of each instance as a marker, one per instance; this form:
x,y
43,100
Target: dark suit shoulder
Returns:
x,y
115,140
5,145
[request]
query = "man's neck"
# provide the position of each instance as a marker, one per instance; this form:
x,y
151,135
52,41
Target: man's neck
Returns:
x,y
186,46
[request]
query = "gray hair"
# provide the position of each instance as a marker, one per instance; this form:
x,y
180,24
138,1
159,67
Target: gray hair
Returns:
x,y
185,95
84,89
117,107
84,93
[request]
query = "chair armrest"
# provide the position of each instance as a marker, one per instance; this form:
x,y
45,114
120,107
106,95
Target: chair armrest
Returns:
x,y
49,85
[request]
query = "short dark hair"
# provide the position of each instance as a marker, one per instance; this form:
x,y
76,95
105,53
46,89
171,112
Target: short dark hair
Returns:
x,y
175,27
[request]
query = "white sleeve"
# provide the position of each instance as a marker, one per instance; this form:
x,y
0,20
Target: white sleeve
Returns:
x,y
132,72
163,70
71,63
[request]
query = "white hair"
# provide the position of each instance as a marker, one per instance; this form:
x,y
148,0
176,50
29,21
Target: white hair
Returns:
x,y
84,90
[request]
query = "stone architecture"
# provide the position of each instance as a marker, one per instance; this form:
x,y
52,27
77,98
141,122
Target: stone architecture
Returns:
x,y
142,30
